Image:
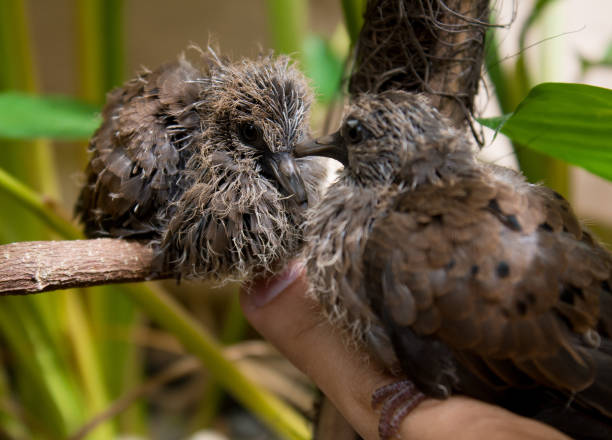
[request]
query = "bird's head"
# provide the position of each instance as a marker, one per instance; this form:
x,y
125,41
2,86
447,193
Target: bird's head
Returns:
x,y
256,111
245,192
389,136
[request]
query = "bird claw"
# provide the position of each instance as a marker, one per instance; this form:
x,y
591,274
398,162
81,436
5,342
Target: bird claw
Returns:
x,y
397,399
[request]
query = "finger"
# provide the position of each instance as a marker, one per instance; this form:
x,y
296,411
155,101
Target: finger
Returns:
x,y
284,315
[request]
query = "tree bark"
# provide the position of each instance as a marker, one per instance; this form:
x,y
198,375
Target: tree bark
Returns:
x,y
39,266
431,46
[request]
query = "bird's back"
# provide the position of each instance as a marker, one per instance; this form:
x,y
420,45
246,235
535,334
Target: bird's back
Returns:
x,y
490,287
138,152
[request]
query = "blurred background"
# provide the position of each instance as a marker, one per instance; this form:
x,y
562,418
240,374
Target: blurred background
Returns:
x,y
570,42
68,357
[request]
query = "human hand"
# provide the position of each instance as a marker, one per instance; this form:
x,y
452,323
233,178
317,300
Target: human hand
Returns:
x,y
279,309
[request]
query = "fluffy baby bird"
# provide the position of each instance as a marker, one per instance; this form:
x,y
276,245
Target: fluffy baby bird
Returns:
x,y
197,159
459,274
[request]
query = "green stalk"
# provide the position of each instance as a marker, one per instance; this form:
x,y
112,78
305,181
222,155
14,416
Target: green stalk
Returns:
x,y
11,414
133,419
13,331
33,161
235,323
91,50
497,74
287,22
47,389
113,44
353,17
101,47
101,67
88,363
42,371
8,423
168,313
120,359
539,168
24,78
19,74
38,205
510,89
233,330
17,66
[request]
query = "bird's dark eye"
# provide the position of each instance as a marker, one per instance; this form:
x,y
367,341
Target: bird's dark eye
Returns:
x,y
251,134
354,132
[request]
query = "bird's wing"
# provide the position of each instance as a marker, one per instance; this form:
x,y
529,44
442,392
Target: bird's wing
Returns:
x,y
499,275
136,153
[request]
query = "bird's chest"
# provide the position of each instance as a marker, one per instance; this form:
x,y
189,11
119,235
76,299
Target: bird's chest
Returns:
x,y
337,237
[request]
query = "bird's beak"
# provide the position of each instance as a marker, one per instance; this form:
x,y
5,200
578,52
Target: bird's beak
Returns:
x,y
331,145
284,169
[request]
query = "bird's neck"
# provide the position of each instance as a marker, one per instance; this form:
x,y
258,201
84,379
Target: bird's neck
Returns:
x,y
437,168
338,230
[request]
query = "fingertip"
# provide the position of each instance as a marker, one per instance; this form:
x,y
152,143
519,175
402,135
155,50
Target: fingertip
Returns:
x,y
258,293
257,297
280,309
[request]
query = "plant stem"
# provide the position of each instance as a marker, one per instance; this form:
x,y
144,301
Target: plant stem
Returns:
x,y
353,17
87,360
113,44
90,50
167,312
511,86
287,21
234,326
41,208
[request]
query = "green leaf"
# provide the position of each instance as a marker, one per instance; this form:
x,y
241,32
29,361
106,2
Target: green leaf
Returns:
x,y
24,116
323,67
572,122
496,123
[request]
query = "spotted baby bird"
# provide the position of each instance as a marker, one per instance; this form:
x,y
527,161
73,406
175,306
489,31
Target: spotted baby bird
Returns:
x,y
197,159
459,274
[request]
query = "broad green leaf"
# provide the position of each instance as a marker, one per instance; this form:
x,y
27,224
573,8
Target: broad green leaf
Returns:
x,y
495,123
322,66
572,122
25,116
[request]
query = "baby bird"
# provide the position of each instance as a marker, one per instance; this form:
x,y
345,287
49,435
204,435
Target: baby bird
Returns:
x,y
198,161
459,274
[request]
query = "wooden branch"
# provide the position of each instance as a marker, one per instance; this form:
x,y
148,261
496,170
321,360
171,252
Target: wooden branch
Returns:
x,y
39,266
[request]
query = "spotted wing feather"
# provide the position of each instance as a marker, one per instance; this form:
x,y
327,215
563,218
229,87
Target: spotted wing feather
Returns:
x,y
496,280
